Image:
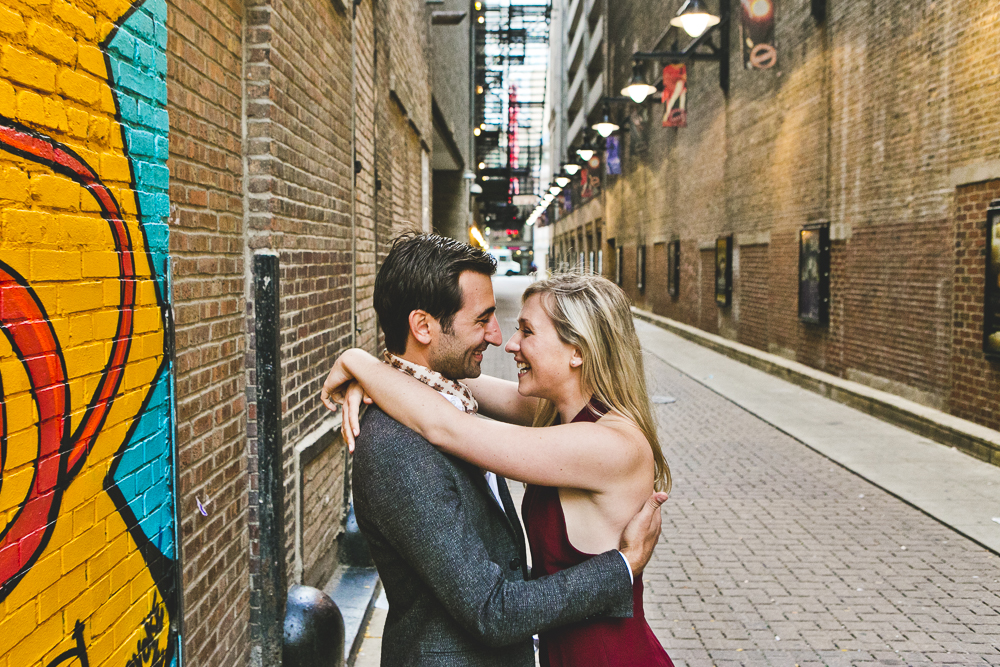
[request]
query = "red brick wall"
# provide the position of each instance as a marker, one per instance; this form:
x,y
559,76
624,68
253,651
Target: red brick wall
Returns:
x,y
752,295
897,303
204,61
975,386
708,315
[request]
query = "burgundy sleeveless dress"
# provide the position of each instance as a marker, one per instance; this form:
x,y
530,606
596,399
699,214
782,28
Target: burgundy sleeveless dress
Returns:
x,y
606,642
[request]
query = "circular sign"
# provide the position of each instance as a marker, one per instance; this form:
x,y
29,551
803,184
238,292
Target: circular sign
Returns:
x,y
763,56
594,162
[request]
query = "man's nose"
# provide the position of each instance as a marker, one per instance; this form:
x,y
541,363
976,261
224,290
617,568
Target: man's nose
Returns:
x,y
493,335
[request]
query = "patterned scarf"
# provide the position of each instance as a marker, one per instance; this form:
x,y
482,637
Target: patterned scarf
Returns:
x,y
457,393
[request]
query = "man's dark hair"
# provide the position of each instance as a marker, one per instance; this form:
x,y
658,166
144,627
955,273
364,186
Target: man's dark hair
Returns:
x,y
421,273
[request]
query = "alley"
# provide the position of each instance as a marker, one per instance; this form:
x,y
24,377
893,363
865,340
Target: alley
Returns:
x,y
771,554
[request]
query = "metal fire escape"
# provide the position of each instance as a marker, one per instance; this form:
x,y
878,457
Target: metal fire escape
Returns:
x,y
512,58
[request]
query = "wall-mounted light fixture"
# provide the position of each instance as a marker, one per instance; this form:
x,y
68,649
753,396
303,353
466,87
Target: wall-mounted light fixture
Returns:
x,y
692,17
637,89
562,181
604,126
571,169
587,150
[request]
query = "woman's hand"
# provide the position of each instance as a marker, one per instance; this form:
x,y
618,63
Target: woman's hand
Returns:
x,y
353,398
341,389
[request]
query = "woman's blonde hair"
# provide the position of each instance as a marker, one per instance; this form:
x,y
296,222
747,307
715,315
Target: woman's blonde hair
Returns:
x,y
592,314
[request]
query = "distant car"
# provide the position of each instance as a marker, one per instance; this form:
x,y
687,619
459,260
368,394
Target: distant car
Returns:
x,y
505,265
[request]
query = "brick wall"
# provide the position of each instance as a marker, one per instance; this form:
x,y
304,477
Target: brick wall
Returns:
x,y
975,381
204,61
752,295
88,555
872,122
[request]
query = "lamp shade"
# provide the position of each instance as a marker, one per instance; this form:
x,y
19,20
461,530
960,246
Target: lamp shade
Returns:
x,y
571,169
585,153
554,190
562,181
605,127
637,87
694,18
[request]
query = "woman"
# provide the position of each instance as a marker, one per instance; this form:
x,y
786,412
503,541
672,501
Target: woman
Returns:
x,y
580,373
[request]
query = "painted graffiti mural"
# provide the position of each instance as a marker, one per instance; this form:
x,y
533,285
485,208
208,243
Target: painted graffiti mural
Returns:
x,y
87,528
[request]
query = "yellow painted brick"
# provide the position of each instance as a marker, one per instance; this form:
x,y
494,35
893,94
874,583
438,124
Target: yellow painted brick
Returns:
x,y
112,293
8,99
84,232
59,324
85,356
79,297
81,329
30,108
106,320
55,192
10,21
83,547
26,407
77,86
47,604
148,319
16,623
26,227
28,69
78,121
44,574
79,19
89,600
15,380
116,606
55,114
17,485
151,346
41,640
115,168
107,101
112,8
99,130
52,41
91,59
14,184
55,265
72,584
100,264
147,291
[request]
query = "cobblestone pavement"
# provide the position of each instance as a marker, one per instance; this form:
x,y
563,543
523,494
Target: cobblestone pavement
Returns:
x,y
773,555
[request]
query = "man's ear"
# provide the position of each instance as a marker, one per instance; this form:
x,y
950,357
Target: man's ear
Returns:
x,y
421,326
577,359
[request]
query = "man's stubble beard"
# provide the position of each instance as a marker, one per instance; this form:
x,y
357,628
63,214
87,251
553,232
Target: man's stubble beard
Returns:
x,y
453,362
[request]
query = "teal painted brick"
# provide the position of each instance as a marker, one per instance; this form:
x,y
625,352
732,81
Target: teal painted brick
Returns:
x,y
144,55
158,10
154,175
160,31
154,204
162,148
140,142
123,45
141,25
161,64
153,117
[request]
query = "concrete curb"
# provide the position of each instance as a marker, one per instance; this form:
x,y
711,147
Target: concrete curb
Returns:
x,y
978,441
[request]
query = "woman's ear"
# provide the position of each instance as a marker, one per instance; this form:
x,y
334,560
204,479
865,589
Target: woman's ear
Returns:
x,y
420,326
577,359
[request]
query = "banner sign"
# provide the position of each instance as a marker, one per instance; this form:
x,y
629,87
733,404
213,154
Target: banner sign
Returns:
x,y
612,160
675,95
757,34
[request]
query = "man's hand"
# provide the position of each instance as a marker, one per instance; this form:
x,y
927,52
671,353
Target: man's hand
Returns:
x,y
642,533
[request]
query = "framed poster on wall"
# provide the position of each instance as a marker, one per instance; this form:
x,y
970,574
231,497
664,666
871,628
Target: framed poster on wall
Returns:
x,y
991,292
814,274
674,268
724,270
640,267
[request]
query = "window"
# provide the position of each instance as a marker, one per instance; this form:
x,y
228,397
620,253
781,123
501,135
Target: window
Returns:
x,y
814,274
640,267
674,268
724,270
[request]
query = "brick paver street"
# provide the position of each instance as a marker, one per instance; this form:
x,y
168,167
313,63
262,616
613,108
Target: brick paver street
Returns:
x,y
773,555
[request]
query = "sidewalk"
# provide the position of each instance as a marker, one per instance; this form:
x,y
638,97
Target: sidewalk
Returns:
x,y
952,487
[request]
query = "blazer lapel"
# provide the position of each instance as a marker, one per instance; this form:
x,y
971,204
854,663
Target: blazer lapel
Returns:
x,y
511,512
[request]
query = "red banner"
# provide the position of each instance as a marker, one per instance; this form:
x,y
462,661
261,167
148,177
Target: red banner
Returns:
x,y
675,95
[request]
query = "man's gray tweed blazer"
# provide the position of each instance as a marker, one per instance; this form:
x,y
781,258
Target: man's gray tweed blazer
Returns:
x,y
453,563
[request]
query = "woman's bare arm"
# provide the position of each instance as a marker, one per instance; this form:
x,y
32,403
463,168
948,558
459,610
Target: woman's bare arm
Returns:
x,y
587,456
499,399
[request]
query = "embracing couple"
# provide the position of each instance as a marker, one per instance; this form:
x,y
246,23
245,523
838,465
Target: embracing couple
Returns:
x,y
429,487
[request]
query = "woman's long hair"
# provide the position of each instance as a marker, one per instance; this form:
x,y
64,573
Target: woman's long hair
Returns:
x,y
592,314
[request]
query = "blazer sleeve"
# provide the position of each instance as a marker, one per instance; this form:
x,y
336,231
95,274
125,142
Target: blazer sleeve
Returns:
x,y
421,514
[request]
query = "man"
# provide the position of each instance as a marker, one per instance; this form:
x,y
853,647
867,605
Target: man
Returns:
x,y
444,535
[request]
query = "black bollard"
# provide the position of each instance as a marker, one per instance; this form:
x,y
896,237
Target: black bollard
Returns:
x,y
314,630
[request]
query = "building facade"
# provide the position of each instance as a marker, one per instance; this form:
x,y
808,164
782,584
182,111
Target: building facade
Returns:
x,y
873,130
194,198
